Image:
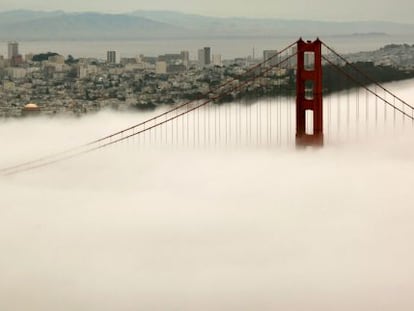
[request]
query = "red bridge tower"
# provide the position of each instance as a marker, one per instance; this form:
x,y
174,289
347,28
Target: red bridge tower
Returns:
x,y
309,108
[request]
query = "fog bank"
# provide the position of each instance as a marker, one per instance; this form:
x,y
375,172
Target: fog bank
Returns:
x,y
263,228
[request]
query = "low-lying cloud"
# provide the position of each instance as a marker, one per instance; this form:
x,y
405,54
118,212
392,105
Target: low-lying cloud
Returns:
x,y
135,228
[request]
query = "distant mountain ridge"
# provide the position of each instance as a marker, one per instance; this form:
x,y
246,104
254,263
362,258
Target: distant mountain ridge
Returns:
x,y
22,25
59,25
274,27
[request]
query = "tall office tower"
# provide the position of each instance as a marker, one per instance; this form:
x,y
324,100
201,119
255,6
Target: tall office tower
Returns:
x,y
13,48
111,57
185,57
201,58
204,56
207,56
271,56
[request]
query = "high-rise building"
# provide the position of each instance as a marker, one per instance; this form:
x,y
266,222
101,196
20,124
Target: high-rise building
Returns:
x,y
201,60
204,56
217,60
13,49
111,57
207,56
185,57
271,57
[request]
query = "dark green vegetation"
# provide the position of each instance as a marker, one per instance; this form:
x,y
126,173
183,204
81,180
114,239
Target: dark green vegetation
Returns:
x,y
43,56
71,60
145,107
339,79
335,79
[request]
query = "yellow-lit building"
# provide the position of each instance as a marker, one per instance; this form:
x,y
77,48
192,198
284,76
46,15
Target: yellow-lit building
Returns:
x,y
30,109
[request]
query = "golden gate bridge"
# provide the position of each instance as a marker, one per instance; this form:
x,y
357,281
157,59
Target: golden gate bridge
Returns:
x,y
307,115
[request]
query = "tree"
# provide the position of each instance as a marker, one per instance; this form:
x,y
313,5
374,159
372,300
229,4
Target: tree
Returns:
x,y
71,60
43,56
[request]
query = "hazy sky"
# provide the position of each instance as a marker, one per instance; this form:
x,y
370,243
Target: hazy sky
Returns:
x,y
398,10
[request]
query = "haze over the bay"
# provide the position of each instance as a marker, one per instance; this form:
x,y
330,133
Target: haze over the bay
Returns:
x,y
399,10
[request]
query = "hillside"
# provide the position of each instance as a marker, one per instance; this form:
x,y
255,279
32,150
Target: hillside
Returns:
x,y
238,26
60,25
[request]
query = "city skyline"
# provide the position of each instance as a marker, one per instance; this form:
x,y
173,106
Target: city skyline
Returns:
x,y
162,161
396,11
